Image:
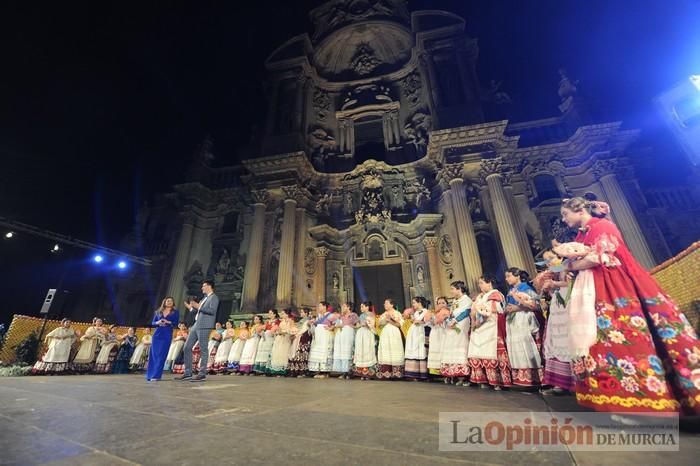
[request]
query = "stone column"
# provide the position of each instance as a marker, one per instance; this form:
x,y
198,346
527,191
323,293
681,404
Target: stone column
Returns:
x,y
253,263
431,245
466,238
426,62
299,250
321,255
285,272
299,102
505,221
179,267
523,243
624,217
387,130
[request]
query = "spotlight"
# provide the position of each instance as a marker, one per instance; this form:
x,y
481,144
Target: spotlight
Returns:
x,y
121,265
55,248
695,81
9,234
98,258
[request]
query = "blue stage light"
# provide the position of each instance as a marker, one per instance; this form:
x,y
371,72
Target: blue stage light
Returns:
x,y
121,265
98,258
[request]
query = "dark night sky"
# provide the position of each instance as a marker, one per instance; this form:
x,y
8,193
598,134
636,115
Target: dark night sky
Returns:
x,y
103,103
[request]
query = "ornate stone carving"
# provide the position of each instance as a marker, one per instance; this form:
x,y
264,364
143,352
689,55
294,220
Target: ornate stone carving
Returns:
x,y
396,196
417,130
431,242
451,171
321,103
309,261
260,196
604,167
490,167
321,143
338,12
321,251
292,192
323,205
411,88
364,61
446,251
348,203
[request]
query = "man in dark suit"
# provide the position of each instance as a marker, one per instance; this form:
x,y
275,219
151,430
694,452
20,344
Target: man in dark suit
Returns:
x,y
205,320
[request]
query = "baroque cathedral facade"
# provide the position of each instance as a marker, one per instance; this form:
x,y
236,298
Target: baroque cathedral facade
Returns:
x,y
378,175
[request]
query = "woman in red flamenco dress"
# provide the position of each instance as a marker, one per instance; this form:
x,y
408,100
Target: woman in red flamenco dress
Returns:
x,y
643,356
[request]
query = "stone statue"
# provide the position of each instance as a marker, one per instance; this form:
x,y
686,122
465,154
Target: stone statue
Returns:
x,y
417,131
567,91
420,275
364,61
324,204
321,144
398,200
336,281
224,262
422,193
348,204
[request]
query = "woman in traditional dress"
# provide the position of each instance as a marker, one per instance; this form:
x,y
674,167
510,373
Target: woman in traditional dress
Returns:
x,y
250,348
523,330
298,363
215,338
454,363
84,360
365,354
437,335
344,341
488,355
416,354
279,356
558,372
60,341
221,360
234,355
139,359
126,345
176,345
321,352
267,339
390,353
634,350
108,352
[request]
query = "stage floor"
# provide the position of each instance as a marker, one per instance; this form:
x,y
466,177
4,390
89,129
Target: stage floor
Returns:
x,y
121,419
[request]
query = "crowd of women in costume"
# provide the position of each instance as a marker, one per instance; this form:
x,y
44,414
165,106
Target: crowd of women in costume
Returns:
x,y
594,322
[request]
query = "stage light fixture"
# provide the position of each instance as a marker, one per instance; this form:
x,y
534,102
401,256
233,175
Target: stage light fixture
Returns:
x,y
9,234
55,248
98,258
121,265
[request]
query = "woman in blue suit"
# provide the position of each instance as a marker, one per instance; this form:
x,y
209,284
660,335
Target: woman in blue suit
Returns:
x,y
165,320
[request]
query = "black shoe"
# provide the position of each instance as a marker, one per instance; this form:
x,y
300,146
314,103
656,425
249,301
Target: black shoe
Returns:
x,y
198,378
183,377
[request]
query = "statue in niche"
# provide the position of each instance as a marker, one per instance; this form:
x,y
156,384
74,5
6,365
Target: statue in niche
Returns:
x,y
278,219
420,275
336,281
224,262
193,279
309,261
397,197
348,203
